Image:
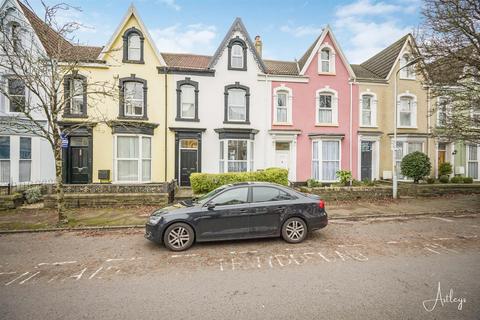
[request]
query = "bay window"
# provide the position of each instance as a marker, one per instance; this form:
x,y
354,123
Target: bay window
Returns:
x,y
133,158
4,159
25,159
325,160
236,155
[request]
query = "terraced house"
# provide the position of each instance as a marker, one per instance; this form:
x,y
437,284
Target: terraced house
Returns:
x,y
376,78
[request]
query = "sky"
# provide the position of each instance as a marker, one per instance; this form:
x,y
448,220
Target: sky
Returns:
x,y
287,27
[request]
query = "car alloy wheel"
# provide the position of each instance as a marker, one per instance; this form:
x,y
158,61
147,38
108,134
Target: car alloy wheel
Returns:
x,y
294,230
178,237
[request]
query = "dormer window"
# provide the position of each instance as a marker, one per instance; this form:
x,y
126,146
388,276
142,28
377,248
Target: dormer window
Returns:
x,y
408,72
326,59
237,54
15,36
133,46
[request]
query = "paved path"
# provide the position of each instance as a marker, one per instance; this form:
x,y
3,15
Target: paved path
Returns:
x,y
371,269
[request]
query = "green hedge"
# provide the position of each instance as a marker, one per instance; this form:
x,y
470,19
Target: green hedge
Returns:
x,y
206,182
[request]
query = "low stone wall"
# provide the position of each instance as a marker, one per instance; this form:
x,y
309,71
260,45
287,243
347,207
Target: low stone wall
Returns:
x,y
11,201
96,188
384,192
80,200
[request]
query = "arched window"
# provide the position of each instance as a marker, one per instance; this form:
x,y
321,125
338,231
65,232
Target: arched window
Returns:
x,y
133,46
282,105
133,98
15,36
187,100
75,93
407,111
326,59
408,72
327,107
237,54
368,111
237,103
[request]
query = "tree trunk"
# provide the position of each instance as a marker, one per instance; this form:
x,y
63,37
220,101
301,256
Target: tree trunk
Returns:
x,y
62,219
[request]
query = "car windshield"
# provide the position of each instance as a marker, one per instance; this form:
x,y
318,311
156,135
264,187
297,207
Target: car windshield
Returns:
x,y
203,199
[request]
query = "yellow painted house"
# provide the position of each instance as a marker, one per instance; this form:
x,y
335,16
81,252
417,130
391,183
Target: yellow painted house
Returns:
x,y
125,139
376,78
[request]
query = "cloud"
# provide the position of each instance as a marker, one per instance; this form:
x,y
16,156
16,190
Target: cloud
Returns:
x,y
190,38
172,4
371,26
300,31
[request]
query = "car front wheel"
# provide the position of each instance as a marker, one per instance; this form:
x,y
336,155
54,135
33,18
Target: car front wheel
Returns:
x,y
294,230
178,237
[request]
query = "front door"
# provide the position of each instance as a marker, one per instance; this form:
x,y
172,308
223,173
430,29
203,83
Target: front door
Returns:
x,y
188,162
282,155
442,153
366,160
78,160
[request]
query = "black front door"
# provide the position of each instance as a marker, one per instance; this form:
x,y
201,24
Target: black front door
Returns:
x,y
78,160
366,160
188,160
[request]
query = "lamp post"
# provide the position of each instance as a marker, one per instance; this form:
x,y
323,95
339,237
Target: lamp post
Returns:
x,y
394,142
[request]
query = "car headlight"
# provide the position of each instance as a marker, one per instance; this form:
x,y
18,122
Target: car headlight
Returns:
x,y
154,219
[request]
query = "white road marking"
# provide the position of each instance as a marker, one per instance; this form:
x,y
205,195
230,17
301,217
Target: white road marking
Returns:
x,y
114,259
432,250
56,263
443,239
445,248
183,255
95,273
13,272
10,282
441,219
33,275
392,242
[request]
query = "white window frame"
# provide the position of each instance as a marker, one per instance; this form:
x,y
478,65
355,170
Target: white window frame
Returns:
x,y
319,158
473,161
183,86
139,159
331,59
233,55
288,91
373,110
131,35
244,106
223,163
447,110
73,96
7,98
413,112
9,161
334,108
133,99
24,160
405,142
407,73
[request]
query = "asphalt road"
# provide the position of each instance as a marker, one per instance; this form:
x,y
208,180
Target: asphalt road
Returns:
x,y
372,269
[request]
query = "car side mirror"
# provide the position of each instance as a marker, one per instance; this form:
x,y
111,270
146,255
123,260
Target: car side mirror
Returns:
x,y
210,206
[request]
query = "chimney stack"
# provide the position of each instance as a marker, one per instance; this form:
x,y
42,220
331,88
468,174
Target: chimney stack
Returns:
x,y
258,45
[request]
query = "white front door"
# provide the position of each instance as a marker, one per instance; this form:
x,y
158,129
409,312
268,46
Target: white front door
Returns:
x,y
282,156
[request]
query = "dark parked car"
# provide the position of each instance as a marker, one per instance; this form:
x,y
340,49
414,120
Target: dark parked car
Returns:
x,y
238,211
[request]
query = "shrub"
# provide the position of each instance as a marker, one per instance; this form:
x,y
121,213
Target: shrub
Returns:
x,y
416,165
444,169
430,180
467,180
33,194
206,182
312,183
443,179
356,183
457,179
344,176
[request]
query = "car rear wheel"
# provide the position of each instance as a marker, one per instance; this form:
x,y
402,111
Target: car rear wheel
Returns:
x,y
294,230
178,237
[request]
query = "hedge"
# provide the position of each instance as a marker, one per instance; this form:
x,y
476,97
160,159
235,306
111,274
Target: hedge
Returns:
x,y
206,182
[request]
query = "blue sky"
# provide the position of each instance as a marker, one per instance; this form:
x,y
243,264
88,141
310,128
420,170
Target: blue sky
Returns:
x,y
287,27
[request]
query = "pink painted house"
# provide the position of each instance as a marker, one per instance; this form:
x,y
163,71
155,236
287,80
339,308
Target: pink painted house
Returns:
x,y
314,112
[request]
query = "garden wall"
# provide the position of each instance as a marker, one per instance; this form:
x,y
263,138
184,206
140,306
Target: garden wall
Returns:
x,y
79,200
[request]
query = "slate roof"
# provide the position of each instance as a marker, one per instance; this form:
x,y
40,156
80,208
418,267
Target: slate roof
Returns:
x,y
289,68
186,61
378,67
304,58
55,44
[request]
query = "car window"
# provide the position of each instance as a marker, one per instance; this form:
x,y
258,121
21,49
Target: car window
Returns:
x,y
203,199
229,197
263,194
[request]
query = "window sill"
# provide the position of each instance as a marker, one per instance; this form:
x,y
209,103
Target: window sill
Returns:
x,y
187,120
326,124
412,79
76,116
236,122
369,127
407,127
327,73
237,69
134,61
132,118
282,124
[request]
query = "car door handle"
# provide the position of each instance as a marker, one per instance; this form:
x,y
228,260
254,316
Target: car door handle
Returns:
x,y
281,207
243,210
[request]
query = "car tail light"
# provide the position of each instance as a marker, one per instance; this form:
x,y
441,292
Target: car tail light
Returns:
x,y
321,204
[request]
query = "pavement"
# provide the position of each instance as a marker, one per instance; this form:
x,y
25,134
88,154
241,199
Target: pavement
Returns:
x,y
385,268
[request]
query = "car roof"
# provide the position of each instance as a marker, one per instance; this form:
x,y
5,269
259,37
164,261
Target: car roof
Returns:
x,y
254,183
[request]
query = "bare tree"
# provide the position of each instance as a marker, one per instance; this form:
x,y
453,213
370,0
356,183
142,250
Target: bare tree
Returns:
x,y
35,80
449,40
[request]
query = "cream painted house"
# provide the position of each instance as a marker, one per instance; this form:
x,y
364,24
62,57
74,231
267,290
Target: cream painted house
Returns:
x,y
125,139
376,79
